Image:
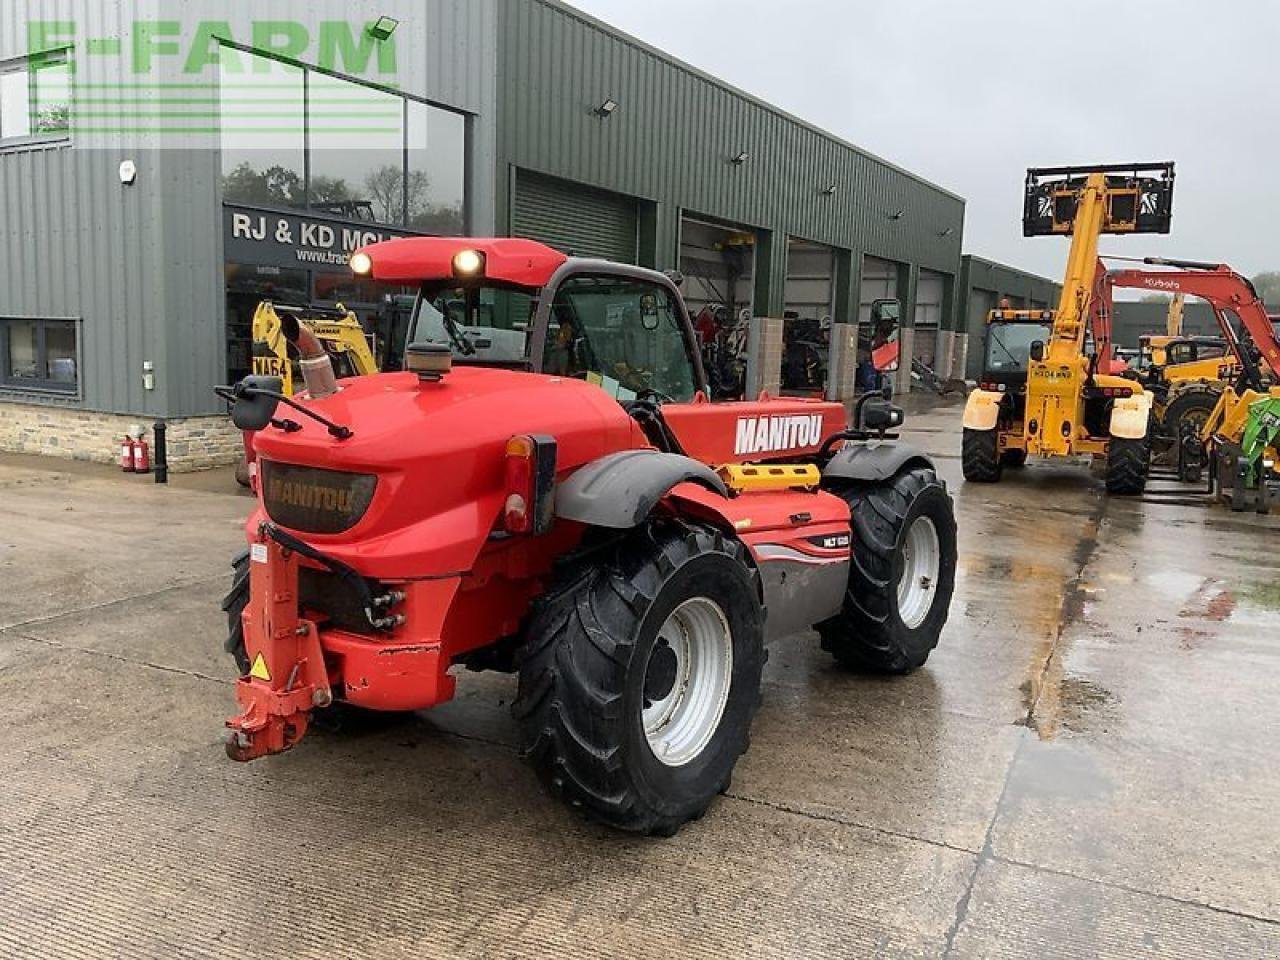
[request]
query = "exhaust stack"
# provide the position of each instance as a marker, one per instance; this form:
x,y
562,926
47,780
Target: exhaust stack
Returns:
x,y
317,368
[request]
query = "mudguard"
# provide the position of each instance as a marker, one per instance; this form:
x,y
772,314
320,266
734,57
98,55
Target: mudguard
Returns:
x,y
873,461
982,410
620,490
1130,416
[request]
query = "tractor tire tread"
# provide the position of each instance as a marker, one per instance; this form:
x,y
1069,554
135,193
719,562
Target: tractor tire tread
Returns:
x,y
571,670
867,634
980,456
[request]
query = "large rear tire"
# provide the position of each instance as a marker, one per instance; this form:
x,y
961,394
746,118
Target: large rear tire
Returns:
x,y
902,576
1128,465
980,456
640,677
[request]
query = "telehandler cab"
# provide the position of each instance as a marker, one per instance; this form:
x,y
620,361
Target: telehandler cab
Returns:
x,y
547,490
1071,407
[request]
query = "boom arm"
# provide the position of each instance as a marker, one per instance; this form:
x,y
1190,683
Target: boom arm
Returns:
x,y
1084,203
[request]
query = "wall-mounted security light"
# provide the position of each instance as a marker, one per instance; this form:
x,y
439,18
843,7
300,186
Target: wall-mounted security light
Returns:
x,y
947,232
128,172
382,28
896,215
606,109
830,190
740,159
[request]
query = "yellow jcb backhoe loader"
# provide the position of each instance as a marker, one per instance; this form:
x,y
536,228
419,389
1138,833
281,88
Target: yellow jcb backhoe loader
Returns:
x,y
1070,408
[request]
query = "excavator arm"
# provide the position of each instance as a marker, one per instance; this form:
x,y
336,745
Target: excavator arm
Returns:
x,y
1225,291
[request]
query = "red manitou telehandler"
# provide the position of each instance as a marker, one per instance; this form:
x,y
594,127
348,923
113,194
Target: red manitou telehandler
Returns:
x,y
546,490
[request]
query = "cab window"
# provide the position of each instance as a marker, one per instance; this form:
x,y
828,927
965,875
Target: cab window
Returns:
x,y
479,324
624,335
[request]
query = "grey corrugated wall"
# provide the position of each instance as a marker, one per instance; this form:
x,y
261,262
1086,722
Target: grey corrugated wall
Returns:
x,y
673,135
142,266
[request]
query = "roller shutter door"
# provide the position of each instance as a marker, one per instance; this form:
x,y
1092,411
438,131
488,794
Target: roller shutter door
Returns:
x,y
575,219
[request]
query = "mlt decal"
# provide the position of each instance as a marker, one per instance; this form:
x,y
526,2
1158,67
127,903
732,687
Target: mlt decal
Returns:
x,y
771,434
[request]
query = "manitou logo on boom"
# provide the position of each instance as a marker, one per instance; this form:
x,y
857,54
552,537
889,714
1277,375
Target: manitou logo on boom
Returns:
x,y
771,434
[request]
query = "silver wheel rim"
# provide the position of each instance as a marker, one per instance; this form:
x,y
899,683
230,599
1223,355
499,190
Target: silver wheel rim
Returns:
x,y
679,726
921,560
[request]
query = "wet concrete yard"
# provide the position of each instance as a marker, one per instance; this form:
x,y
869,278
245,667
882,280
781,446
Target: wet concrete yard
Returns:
x,y
1087,766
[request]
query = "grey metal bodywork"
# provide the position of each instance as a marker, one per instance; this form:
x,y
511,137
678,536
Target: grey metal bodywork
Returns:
x,y
798,593
873,461
620,490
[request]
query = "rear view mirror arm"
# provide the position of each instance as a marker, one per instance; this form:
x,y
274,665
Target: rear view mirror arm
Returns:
x,y
232,394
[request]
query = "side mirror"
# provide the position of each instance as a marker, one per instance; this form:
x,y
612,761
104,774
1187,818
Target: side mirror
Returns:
x,y
1037,351
254,402
880,336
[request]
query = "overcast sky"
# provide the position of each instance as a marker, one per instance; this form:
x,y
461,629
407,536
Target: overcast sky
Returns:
x,y
969,95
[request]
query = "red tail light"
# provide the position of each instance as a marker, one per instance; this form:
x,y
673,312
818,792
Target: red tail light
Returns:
x,y
530,484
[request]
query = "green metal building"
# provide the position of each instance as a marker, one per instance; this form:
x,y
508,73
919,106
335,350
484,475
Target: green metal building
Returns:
x,y
607,146
147,246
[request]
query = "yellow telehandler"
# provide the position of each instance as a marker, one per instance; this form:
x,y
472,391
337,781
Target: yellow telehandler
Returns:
x,y
1071,406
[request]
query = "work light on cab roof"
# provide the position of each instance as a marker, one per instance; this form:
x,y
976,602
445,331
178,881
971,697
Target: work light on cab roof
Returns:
x,y
361,264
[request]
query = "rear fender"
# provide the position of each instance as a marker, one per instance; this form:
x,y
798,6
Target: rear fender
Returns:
x,y
982,410
1131,416
619,491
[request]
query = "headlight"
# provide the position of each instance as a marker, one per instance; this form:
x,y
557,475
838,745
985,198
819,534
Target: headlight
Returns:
x,y
361,264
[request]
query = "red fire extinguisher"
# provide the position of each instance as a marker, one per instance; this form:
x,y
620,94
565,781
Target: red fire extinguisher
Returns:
x,y
126,455
141,456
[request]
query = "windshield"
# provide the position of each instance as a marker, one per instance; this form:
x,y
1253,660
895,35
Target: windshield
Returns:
x,y
1009,344
479,324
625,335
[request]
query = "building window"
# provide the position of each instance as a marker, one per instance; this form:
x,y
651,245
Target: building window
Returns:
x,y
35,98
39,354
299,138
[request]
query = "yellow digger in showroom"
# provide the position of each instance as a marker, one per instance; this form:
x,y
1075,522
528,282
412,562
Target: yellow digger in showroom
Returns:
x,y
1059,404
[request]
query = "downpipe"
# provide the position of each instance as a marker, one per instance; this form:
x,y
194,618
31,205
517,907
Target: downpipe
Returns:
x,y
317,368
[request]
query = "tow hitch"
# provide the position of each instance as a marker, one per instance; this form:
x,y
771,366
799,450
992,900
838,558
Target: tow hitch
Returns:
x,y
287,676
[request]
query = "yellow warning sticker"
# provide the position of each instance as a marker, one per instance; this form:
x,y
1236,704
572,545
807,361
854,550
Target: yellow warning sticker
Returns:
x,y
259,669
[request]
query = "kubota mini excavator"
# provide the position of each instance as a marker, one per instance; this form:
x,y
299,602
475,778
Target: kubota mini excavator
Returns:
x,y
1071,406
1235,436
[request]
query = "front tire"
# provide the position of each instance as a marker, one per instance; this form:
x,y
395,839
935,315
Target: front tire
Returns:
x,y
1128,464
980,456
640,677
902,576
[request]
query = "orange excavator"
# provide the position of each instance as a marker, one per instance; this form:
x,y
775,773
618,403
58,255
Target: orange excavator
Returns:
x,y
1218,434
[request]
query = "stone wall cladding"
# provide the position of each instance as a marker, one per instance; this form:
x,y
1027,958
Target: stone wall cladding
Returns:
x,y
194,443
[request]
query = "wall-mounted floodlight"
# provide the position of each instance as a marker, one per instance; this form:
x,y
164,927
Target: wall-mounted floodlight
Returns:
x,y
606,109
740,159
896,215
382,28
947,232
829,190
